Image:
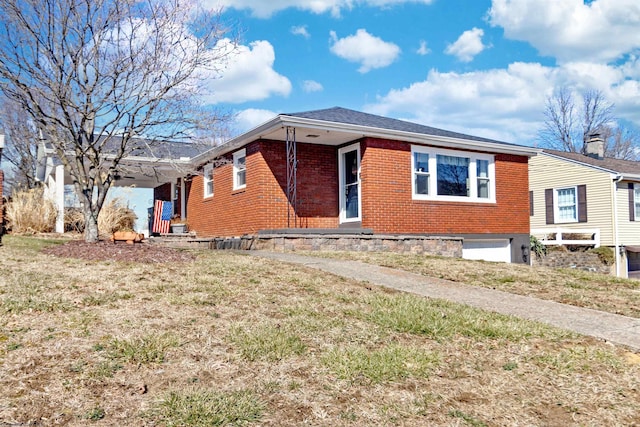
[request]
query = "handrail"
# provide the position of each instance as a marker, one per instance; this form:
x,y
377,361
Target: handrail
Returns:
x,y
558,232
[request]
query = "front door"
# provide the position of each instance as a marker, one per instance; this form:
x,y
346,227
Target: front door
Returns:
x,y
349,167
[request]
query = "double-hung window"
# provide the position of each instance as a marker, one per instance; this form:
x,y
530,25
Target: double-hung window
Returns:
x,y
566,204
208,181
440,174
421,173
239,169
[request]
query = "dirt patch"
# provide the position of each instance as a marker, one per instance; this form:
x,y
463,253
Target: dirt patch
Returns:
x,y
119,251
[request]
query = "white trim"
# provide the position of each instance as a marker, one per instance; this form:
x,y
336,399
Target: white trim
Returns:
x,y
473,178
236,170
207,178
59,198
556,205
341,186
183,199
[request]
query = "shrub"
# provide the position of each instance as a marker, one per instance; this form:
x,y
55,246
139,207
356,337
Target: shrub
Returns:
x,y
30,212
537,247
114,216
605,254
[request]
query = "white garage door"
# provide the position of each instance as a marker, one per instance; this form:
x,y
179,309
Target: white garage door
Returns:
x,y
498,250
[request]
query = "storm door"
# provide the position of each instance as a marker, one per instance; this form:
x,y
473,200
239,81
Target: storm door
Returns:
x,y
349,168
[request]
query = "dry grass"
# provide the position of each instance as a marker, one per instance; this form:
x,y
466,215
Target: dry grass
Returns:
x,y
115,215
568,286
233,340
29,212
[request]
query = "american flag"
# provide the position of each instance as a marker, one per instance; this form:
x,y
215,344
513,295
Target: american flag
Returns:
x,y
162,212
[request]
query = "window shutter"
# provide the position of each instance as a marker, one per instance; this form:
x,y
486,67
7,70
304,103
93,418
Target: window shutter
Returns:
x,y
632,205
582,203
530,203
548,203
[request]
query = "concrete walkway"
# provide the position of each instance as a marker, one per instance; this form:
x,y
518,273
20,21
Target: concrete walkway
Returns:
x,y
614,328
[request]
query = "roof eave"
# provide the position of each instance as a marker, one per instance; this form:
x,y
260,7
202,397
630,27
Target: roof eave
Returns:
x,y
361,131
625,176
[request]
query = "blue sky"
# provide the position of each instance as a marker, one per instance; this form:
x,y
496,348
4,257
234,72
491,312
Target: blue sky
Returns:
x,y
476,66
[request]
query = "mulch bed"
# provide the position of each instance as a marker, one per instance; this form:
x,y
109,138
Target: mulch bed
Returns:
x,y
120,251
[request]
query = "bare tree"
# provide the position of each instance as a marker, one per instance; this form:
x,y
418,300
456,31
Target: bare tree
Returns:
x,y
597,115
621,143
563,130
20,146
559,121
87,71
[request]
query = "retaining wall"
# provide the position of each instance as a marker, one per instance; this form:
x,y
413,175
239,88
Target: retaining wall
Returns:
x,y
443,246
580,260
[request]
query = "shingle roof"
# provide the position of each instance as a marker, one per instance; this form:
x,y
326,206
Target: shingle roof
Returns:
x,y
344,115
614,165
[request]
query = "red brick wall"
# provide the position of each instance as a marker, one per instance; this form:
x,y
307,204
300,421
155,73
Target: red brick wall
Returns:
x,y
263,203
387,206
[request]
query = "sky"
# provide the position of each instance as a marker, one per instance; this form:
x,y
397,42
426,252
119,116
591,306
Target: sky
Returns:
x,y
481,67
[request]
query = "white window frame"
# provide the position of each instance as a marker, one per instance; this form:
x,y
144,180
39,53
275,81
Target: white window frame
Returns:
x,y
556,205
208,181
636,201
237,169
473,175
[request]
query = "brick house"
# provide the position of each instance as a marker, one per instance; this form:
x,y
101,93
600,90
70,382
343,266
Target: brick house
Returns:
x,y
336,169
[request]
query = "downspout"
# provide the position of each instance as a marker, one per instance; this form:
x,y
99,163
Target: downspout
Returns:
x,y
616,238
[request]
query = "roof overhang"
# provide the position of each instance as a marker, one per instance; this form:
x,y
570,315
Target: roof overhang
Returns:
x,y
322,132
614,174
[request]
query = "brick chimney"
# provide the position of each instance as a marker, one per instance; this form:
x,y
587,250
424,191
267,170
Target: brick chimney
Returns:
x,y
594,146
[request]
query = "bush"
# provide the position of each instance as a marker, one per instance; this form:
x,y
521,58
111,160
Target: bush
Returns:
x,y
114,216
605,254
29,211
537,247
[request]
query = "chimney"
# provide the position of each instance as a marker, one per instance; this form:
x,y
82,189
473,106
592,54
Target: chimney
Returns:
x,y
594,146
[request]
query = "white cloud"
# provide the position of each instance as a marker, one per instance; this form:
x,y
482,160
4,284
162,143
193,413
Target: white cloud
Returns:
x,y
250,118
370,51
311,86
423,49
266,8
249,76
505,104
508,104
300,30
571,30
468,45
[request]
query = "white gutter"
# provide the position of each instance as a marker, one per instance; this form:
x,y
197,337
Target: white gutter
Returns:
x,y
616,238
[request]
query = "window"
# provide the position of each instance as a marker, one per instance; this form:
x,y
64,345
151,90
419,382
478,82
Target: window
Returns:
x,y
451,175
208,181
566,205
421,171
634,202
239,170
482,175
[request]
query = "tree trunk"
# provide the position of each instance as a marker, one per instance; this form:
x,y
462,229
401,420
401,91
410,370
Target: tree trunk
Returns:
x,y
90,226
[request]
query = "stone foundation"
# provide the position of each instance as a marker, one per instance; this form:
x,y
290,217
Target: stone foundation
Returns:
x,y
444,246
429,245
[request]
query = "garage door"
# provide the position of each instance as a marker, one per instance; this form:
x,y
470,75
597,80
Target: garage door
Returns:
x,y
498,250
